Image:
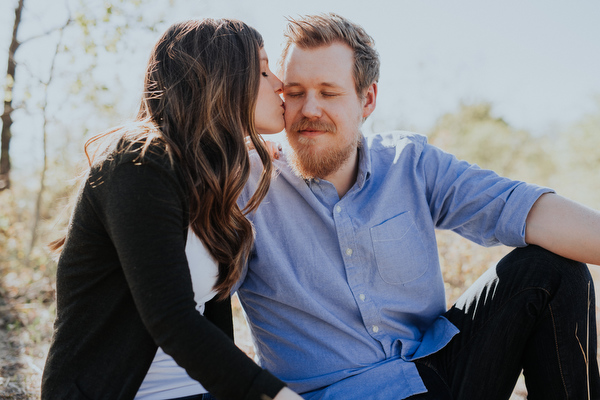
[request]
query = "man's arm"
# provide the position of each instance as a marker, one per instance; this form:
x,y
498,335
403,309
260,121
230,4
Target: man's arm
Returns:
x,y
565,227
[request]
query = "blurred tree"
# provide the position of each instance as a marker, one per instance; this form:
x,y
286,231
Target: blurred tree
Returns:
x,y
8,106
582,141
59,76
475,135
578,158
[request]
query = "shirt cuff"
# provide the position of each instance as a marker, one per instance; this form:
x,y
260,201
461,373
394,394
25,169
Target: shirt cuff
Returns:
x,y
516,211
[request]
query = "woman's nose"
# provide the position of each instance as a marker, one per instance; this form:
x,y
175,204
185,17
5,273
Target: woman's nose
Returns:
x,y
277,84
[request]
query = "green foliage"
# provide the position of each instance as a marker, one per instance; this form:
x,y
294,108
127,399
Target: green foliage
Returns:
x,y
568,162
475,135
583,142
578,160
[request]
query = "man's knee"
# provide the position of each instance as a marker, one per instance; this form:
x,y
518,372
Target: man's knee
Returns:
x,y
543,267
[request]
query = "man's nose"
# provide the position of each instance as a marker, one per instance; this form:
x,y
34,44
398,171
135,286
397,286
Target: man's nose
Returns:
x,y
311,107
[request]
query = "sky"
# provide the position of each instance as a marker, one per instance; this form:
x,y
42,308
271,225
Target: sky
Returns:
x,y
537,62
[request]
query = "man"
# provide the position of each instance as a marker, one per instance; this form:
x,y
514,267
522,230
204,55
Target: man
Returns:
x,y
344,291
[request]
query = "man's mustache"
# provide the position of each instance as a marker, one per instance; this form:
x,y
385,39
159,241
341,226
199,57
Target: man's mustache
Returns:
x,y
315,125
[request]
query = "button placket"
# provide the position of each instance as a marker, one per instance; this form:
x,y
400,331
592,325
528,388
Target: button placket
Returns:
x,y
354,264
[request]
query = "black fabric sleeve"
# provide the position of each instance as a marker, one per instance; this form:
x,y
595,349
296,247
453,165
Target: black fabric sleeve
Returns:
x,y
219,312
143,209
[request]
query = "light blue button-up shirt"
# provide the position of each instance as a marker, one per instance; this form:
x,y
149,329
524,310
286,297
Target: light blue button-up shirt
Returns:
x,y
342,293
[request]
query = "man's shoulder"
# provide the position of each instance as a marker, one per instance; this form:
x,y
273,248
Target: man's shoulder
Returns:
x,y
395,139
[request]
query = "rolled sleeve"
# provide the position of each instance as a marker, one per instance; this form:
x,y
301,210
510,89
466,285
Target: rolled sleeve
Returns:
x,y
510,229
476,203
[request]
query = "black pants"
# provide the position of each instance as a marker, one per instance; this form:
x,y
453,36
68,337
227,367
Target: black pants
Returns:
x,y
205,396
534,312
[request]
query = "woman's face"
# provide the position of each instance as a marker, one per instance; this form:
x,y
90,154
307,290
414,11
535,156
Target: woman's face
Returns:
x,y
269,106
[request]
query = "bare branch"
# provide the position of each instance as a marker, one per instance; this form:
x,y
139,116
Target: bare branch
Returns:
x,y
61,28
38,204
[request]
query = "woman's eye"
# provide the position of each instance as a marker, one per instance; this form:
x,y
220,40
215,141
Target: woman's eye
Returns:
x,y
265,75
329,94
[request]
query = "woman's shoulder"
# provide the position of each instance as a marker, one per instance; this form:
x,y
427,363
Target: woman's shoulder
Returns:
x,y
135,157
140,151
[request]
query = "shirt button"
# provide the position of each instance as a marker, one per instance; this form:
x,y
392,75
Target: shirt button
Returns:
x,y
348,251
362,297
375,328
338,208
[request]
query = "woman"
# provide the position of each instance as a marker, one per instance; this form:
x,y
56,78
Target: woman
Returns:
x,y
159,192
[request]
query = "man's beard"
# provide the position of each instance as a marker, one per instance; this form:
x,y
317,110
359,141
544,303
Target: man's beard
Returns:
x,y
307,163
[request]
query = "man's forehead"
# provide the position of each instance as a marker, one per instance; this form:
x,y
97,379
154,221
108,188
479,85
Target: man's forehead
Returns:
x,y
326,64
335,49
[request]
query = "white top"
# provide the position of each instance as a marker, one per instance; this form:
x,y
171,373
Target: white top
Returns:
x,y
165,379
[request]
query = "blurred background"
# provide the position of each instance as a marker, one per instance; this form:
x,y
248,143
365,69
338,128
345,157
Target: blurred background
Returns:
x,y
513,86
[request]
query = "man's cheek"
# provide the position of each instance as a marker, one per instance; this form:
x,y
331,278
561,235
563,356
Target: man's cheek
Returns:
x,y
289,120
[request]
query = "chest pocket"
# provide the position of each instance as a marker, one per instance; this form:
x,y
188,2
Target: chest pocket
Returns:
x,y
400,253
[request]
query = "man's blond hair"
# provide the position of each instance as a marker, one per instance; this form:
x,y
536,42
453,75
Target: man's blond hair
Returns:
x,y
313,31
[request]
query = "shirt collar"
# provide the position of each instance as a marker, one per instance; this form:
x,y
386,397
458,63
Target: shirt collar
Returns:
x,y
364,163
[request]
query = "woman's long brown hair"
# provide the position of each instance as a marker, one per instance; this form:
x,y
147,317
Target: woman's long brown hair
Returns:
x,y
200,93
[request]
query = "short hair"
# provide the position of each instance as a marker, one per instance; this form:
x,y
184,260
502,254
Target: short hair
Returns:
x,y
313,31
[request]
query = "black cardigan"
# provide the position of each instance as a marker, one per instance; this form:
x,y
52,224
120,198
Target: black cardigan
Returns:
x,y
123,288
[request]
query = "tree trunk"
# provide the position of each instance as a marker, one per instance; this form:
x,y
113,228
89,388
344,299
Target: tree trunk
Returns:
x,y
8,97
38,204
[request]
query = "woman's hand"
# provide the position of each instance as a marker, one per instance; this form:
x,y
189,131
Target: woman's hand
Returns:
x,y
287,394
273,148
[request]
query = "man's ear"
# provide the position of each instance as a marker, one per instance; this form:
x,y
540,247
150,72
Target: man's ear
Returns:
x,y
369,100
